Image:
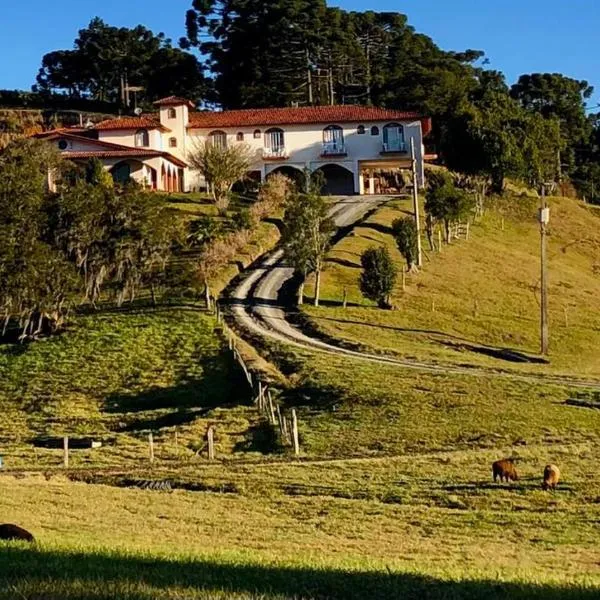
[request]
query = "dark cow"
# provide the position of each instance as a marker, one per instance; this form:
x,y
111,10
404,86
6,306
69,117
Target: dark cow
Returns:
x,y
8,531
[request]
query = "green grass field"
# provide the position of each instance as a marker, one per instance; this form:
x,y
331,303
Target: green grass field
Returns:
x,y
430,526
114,377
477,303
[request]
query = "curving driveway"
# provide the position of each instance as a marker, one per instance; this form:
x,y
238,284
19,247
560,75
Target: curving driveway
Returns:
x,y
256,307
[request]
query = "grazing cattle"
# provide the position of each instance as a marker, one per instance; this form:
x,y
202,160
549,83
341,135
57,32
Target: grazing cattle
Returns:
x,y
8,531
551,477
505,470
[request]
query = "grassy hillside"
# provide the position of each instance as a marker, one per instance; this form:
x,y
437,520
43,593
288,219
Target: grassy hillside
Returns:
x,y
114,377
478,301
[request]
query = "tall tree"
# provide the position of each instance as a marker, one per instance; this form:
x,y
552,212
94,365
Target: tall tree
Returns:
x,y
103,55
36,282
559,98
260,51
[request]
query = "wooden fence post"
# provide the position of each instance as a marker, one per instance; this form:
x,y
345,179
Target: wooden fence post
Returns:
x,y
433,305
151,446
271,408
280,421
210,436
403,278
284,424
66,452
439,240
467,234
566,316
295,439
345,300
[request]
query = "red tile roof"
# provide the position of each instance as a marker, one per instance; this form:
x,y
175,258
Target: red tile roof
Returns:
x,y
174,101
56,134
143,122
51,132
129,153
292,116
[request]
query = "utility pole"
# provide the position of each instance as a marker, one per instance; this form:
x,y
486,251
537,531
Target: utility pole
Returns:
x,y
544,218
309,78
416,202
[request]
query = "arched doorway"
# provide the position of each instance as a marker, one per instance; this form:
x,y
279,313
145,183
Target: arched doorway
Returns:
x,y
296,175
121,173
339,181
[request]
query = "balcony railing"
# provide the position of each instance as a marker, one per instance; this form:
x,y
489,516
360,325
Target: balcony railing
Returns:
x,y
395,146
334,148
275,153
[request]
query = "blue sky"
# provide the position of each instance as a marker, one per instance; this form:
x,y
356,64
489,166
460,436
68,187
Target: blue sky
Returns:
x,y
518,36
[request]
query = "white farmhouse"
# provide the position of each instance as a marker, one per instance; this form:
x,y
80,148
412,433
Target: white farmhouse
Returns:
x,y
359,149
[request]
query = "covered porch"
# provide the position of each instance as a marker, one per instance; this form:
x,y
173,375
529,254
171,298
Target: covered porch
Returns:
x,y
385,176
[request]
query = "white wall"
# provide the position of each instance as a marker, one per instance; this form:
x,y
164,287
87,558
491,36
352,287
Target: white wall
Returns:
x,y
304,145
177,128
126,137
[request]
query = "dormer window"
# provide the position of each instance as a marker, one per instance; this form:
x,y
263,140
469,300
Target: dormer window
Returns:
x,y
240,136
142,138
172,142
218,139
257,134
374,130
172,113
360,130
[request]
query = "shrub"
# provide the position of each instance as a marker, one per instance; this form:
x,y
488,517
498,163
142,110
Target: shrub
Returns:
x,y
379,275
405,234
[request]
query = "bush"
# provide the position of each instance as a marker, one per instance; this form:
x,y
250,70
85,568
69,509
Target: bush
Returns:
x,y
379,275
405,234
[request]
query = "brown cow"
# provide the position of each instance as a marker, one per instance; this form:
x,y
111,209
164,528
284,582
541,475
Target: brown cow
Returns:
x,y
8,531
505,470
551,477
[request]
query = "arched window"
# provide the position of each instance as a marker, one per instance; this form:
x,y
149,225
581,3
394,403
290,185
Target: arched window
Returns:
x,y
240,136
374,130
360,130
333,140
218,139
257,134
172,113
172,142
393,138
142,139
275,141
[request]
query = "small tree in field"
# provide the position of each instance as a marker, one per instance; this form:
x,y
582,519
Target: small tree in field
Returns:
x,y
379,275
306,237
405,234
221,166
446,202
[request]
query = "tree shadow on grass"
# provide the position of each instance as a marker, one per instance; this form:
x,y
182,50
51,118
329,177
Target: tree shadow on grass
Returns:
x,y
221,383
449,340
81,576
343,263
